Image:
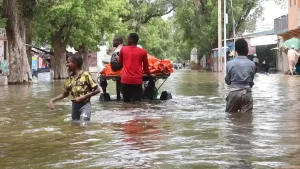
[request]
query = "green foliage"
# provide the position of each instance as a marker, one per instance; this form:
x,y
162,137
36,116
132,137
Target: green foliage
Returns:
x,y
157,37
2,23
198,23
144,17
140,12
95,22
80,21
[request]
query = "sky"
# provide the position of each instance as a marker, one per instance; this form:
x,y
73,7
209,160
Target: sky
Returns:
x,y
269,15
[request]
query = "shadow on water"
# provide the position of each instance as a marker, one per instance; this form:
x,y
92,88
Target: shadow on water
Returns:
x,y
190,131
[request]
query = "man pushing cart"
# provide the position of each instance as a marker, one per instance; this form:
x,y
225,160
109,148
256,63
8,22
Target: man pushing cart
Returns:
x,y
136,74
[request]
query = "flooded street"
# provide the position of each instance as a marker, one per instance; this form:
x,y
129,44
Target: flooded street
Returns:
x,y
190,131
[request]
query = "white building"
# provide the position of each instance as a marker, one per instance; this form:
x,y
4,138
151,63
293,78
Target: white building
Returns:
x,y
194,56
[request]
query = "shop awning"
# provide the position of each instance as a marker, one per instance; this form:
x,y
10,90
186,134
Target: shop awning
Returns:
x,y
264,40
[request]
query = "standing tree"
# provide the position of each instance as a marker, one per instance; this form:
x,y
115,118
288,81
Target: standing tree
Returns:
x,y
97,21
141,12
28,9
16,35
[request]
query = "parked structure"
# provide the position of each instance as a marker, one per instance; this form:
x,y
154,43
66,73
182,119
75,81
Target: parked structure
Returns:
x,y
287,27
259,43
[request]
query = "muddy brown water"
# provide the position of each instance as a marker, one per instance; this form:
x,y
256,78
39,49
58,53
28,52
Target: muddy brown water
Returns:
x,y
190,131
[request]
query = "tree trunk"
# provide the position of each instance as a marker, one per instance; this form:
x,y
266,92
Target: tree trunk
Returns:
x,y
84,53
28,41
60,57
15,31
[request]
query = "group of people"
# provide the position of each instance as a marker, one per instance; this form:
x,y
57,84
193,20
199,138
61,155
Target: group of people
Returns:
x,y
133,60
265,63
80,84
240,75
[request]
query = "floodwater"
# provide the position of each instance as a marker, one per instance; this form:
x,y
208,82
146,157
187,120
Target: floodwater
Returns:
x,y
190,131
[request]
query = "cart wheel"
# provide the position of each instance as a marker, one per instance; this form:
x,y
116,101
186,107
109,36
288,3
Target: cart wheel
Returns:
x,y
165,95
104,97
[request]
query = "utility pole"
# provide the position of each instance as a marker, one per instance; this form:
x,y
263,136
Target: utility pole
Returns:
x,y
225,44
233,25
219,34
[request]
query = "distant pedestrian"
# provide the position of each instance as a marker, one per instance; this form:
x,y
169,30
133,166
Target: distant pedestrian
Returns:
x,y
266,65
239,76
293,57
256,61
297,68
208,63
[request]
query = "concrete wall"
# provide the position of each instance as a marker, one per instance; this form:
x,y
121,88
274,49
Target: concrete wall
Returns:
x,y
93,62
279,61
252,49
293,6
279,65
93,59
194,56
3,80
203,62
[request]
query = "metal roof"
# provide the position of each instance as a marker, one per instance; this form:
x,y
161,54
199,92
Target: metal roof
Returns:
x,y
269,32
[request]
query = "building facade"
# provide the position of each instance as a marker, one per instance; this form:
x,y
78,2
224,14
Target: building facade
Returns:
x,y
287,27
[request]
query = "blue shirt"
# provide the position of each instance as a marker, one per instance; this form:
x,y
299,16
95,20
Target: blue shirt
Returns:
x,y
240,73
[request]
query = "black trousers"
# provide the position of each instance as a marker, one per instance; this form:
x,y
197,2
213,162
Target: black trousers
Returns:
x,y
132,92
266,68
81,111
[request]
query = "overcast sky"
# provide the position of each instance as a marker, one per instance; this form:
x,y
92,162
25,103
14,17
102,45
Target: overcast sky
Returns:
x,y
271,11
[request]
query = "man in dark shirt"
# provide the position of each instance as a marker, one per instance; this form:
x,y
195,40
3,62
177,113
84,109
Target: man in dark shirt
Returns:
x,y
134,61
266,65
239,76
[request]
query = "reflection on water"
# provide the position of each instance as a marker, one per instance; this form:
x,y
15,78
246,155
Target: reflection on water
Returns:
x,y
239,138
190,131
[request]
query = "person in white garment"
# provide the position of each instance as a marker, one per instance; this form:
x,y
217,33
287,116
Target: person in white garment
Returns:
x,y
256,61
293,57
